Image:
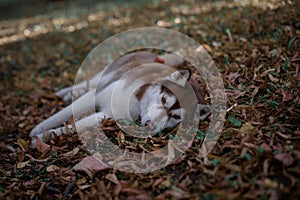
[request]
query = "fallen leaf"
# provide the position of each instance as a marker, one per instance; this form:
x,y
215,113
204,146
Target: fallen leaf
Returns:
x,y
22,164
246,128
24,143
113,178
71,153
256,69
159,153
41,146
171,152
29,183
285,158
297,154
137,192
286,96
81,181
21,156
216,44
90,165
166,183
83,187
207,47
272,78
265,147
232,77
52,168
270,183
177,192
254,92
274,53
248,144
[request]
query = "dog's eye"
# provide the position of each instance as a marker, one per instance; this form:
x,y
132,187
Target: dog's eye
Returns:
x,y
163,100
176,117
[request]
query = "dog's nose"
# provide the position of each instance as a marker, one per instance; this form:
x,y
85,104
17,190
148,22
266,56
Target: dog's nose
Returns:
x,y
149,124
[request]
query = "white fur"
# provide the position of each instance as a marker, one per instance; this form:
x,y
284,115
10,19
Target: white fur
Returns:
x,y
154,107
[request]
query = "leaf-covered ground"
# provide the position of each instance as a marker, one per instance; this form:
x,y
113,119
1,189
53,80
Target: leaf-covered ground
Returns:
x,y
255,45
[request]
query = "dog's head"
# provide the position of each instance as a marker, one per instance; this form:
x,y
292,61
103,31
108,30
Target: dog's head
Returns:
x,y
160,107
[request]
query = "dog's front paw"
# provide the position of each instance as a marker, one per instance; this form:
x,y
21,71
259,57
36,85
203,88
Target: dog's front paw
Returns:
x,y
36,131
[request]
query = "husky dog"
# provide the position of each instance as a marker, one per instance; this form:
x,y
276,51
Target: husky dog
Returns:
x,y
152,101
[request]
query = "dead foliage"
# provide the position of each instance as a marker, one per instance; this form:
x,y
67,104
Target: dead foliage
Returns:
x,y
255,45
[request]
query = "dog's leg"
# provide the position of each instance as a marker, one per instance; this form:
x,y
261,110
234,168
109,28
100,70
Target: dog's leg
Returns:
x,y
81,125
82,105
79,89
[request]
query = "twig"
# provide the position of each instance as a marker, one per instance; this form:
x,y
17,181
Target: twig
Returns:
x,y
229,109
37,160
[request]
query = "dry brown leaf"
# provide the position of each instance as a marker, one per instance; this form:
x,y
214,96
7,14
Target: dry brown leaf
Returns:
x,y
22,164
171,152
272,78
267,72
72,152
159,153
254,92
177,192
256,70
207,47
24,143
81,181
246,128
166,183
285,158
52,168
90,165
113,178
29,183
41,146
216,44
232,77
83,187
265,147
270,183
286,95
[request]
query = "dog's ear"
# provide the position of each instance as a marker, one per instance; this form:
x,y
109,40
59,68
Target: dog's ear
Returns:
x,y
204,110
180,77
186,73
